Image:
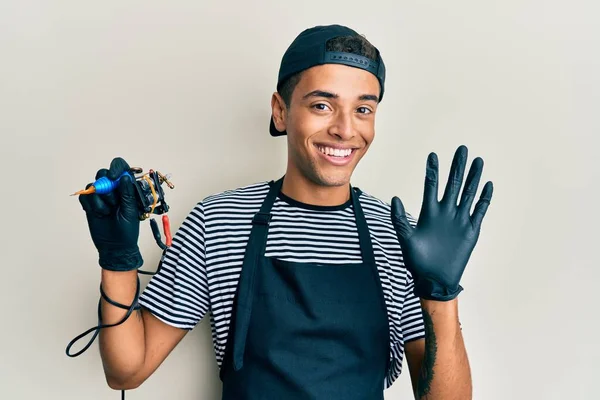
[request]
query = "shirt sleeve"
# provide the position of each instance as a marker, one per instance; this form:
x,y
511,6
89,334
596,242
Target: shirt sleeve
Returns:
x,y
178,293
411,322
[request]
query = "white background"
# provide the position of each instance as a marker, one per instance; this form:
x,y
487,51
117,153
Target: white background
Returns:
x,y
184,87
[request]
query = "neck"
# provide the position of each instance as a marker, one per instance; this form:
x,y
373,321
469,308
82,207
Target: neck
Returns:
x,y
305,191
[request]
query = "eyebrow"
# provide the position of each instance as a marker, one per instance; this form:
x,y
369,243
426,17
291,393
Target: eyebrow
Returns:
x,y
329,95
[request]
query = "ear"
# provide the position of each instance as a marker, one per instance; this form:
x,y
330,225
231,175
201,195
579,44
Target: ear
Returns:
x,y
278,110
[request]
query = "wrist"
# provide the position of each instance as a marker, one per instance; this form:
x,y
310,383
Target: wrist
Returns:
x,y
119,286
431,289
443,314
123,259
449,307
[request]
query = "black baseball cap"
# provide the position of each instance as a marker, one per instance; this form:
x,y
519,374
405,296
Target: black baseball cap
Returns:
x,y
309,49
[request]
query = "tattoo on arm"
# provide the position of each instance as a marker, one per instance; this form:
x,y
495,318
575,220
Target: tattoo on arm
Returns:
x,y
426,374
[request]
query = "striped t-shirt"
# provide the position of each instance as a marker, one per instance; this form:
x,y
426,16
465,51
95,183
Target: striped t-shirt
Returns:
x,y
200,271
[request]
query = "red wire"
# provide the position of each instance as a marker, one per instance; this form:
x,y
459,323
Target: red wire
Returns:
x,y
167,230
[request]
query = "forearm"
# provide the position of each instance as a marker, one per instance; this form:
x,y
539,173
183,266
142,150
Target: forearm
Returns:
x,y
122,347
445,372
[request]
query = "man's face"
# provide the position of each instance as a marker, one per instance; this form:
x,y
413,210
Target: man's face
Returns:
x,y
330,123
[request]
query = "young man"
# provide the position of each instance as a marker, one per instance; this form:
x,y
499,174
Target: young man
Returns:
x,y
315,289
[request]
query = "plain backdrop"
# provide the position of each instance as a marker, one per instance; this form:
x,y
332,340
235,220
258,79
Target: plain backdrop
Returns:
x,y
184,87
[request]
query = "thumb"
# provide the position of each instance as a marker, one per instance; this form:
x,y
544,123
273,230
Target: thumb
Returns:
x,y
117,166
399,220
127,198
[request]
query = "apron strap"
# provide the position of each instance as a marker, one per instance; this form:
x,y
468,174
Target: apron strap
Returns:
x,y
245,293
366,249
364,236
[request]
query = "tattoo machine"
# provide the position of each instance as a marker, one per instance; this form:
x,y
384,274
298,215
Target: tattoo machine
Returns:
x,y
150,198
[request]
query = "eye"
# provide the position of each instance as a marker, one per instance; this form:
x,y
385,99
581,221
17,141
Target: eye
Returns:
x,y
320,106
364,110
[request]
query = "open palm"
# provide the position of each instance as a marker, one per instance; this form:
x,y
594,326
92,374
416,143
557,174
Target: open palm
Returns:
x,y
437,250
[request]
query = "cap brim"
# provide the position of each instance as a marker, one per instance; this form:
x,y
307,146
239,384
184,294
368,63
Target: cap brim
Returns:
x,y
274,131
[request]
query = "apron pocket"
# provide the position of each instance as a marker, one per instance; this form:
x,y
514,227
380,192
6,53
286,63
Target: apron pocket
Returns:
x,y
325,283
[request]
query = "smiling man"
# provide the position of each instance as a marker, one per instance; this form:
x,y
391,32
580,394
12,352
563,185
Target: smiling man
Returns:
x,y
315,289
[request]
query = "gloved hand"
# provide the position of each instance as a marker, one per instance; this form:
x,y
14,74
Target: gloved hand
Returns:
x,y
113,220
437,250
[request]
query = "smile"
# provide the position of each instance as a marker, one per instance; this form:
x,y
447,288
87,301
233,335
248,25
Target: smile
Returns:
x,y
329,151
338,157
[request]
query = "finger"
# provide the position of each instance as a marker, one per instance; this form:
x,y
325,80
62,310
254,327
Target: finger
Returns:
x,y
84,200
93,204
117,167
471,185
430,196
101,172
399,220
98,205
109,198
127,198
482,205
457,171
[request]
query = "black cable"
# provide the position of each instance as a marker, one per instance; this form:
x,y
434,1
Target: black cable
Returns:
x,y
156,234
130,308
159,242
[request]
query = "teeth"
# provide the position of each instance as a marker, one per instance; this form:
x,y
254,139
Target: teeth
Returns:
x,y
335,152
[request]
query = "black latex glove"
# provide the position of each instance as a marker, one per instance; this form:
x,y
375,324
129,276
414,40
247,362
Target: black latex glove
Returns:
x,y
113,220
437,250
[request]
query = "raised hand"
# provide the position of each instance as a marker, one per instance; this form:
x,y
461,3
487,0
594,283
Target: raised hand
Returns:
x,y
437,250
113,220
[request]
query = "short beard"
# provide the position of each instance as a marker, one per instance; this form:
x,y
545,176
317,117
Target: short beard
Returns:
x,y
310,171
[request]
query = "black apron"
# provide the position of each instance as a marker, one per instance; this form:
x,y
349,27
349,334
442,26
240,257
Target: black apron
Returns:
x,y
306,331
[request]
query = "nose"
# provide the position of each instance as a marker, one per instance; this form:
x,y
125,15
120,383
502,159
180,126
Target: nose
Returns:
x,y
342,126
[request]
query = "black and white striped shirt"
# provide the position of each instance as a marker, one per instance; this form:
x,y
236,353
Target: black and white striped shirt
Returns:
x,y
200,271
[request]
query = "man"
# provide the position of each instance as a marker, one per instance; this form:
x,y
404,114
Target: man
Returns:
x,y
315,289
